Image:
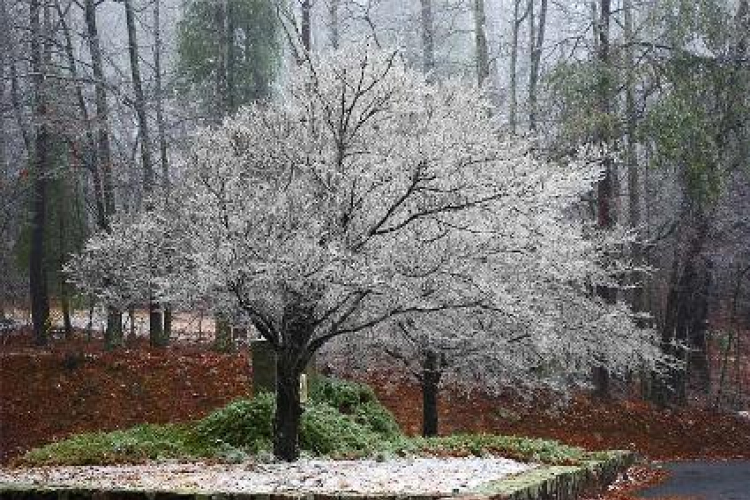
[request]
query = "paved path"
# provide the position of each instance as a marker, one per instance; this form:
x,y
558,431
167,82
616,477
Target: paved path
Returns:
x,y
705,481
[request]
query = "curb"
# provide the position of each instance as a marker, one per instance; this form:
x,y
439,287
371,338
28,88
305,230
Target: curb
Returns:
x,y
542,483
560,482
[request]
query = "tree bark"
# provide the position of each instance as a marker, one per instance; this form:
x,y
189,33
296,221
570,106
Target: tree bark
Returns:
x,y
292,356
431,374
288,408
428,37
333,19
306,28
231,58
638,296
515,30
155,328
37,265
537,43
104,153
103,168
159,94
480,38
113,338
605,189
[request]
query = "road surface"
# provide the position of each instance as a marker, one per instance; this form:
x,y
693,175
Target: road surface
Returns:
x,y
705,481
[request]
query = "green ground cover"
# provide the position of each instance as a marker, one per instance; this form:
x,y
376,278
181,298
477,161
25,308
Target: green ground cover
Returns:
x,y
341,420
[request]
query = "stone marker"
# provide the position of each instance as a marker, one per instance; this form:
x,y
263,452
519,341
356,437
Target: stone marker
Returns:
x,y
264,368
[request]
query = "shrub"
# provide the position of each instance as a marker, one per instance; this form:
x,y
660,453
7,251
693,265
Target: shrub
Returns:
x,y
326,431
245,424
343,395
138,444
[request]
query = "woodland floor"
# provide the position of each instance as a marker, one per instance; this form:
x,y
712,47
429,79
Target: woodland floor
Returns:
x,y
75,386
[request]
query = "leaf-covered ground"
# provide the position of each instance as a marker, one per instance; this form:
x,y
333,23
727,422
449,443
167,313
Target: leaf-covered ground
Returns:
x,y
74,387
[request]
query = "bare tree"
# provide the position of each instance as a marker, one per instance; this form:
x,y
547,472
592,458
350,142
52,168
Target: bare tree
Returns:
x,y
605,188
536,41
428,36
518,19
156,328
480,38
41,168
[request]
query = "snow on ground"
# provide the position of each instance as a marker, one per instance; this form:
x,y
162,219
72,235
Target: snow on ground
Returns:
x,y
443,476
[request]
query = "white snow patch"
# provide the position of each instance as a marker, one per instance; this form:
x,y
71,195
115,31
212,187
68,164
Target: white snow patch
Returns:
x,y
443,476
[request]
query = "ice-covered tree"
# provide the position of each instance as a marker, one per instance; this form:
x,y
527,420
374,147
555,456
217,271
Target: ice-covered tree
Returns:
x,y
368,198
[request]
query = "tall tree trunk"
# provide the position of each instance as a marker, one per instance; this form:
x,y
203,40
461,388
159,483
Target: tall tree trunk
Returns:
x,y
430,379
155,330
518,19
159,94
4,171
41,151
605,189
162,138
306,28
103,168
231,58
480,38
104,152
638,297
89,156
333,19
428,37
537,43
62,250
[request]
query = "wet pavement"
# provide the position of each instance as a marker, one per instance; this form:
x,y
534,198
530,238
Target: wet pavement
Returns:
x,y
701,480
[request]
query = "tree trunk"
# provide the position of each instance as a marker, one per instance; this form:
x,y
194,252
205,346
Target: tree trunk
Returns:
x,y
229,39
288,408
167,324
537,43
155,326
89,157
605,189
160,123
515,30
333,18
428,37
113,333
306,28
480,38
103,167
37,264
292,356
431,374
132,334
101,120
638,296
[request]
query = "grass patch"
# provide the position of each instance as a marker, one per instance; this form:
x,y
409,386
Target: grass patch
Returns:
x,y
134,445
342,419
523,449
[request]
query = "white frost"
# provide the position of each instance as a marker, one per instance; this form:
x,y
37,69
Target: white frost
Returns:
x,y
397,476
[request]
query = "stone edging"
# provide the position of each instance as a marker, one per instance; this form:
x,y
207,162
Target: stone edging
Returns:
x,y
559,482
542,483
